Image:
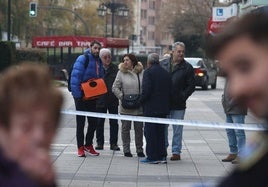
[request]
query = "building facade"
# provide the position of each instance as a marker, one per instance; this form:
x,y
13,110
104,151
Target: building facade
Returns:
x,y
249,5
148,37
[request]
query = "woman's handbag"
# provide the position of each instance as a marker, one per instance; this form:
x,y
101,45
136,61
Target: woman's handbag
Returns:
x,y
93,88
131,101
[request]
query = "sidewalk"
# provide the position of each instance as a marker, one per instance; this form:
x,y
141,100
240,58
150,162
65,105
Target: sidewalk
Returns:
x,y
203,149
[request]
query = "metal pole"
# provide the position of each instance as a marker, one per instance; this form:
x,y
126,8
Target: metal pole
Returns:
x,y
106,23
132,44
8,20
113,9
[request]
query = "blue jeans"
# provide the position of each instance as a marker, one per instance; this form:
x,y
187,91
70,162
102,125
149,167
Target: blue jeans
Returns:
x,y
236,137
177,132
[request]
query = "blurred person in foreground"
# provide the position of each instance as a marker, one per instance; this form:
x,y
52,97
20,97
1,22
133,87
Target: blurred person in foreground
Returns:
x,y
29,116
183,85
242,51
155,98
108,102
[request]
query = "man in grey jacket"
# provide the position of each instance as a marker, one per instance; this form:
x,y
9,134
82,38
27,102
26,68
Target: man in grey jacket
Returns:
x,y
234,114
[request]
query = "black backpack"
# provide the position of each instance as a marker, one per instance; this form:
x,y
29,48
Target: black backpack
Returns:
x,y
70,72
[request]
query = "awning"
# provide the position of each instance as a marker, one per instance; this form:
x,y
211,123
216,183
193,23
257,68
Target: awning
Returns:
x,y
77,41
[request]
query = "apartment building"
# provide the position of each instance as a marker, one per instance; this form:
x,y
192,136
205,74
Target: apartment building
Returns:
x,y
150,38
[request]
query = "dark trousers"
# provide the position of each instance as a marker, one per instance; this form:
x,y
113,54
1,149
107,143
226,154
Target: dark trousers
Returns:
x,y
155,140
113,125
90,106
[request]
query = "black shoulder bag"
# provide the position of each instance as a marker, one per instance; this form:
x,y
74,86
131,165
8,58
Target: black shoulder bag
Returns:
x,y
131,101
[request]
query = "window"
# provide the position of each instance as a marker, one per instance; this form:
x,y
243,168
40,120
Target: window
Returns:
x,y
150,35
165,35
143,14
144,30
151,20
152,5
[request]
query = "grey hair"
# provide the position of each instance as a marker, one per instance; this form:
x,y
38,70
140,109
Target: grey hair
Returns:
x,y
153,58
104,51
176,44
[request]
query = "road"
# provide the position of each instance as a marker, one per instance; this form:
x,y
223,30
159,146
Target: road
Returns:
x,y
203,149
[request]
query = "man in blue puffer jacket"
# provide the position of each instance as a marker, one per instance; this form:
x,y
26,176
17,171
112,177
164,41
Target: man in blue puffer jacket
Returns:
x,y
81,74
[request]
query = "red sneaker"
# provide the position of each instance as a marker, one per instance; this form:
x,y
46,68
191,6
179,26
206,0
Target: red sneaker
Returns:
x,y
91,151
81,152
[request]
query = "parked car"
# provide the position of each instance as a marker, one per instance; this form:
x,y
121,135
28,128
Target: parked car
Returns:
x,y
205,72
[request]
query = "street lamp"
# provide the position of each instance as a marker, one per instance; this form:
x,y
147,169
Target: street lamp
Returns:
x,y
8,20
119,9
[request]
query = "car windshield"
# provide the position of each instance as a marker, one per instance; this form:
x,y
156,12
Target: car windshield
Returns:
x,y
193,61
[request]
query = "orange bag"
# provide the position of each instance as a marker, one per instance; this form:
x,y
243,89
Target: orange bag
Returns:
x,y
93,88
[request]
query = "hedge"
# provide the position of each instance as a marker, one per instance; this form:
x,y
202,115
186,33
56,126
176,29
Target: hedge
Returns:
x,y
32,55
7,54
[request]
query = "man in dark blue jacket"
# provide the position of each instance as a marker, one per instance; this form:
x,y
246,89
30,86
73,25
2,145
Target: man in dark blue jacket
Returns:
x,y
78,76
155,97
183,85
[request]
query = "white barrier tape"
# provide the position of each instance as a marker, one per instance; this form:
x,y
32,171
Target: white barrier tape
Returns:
x,y
247,126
